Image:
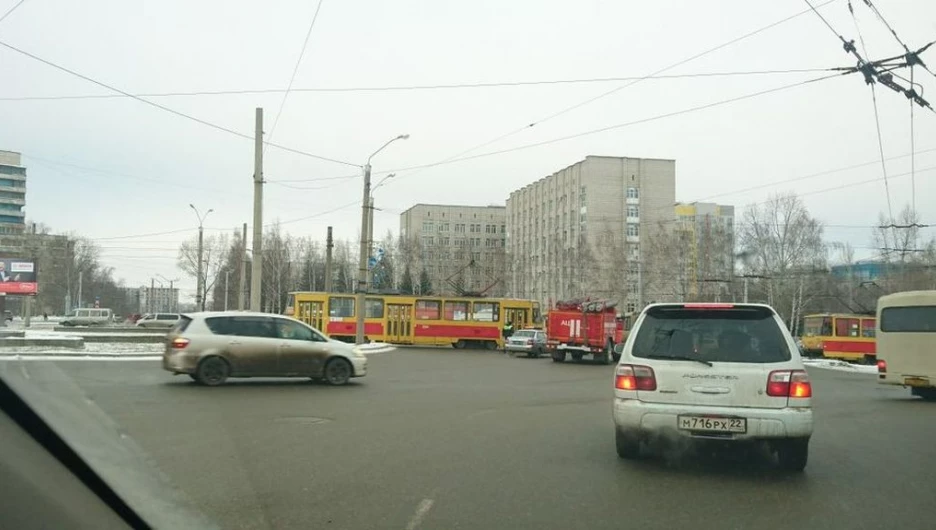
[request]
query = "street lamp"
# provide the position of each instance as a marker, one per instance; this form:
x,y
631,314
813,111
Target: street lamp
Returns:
x,y
365,236
199,281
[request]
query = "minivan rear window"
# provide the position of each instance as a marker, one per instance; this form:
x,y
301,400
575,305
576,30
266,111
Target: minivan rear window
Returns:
x,y
909,319
181,325
738,334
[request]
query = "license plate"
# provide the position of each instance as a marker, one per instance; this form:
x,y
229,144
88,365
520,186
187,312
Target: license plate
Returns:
x,y
916,381
712,424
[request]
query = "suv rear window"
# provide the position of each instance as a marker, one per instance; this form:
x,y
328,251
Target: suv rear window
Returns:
x,y
738,334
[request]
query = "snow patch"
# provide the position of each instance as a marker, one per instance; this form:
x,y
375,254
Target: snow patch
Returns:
x,y
376,347
842,366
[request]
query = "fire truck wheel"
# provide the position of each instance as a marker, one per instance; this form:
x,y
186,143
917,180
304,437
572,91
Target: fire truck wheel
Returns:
x,y
577,357
558,356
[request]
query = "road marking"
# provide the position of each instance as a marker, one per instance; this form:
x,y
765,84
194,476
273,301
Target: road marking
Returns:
x,y
421,512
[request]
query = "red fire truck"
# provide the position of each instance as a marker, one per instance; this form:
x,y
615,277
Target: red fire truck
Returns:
x,y
583,327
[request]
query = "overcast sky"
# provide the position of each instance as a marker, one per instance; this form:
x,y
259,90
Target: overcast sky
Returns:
x,y
114,167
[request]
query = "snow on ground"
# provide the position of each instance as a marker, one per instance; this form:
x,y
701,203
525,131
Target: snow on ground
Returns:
x,y
376,347
120,351
842,366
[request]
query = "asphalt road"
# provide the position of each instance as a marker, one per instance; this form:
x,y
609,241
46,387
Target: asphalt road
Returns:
x,y
446,439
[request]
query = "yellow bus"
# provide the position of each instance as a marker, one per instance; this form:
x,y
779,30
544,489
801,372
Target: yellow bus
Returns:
x,y
409,319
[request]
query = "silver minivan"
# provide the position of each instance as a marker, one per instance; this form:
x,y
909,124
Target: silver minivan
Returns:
x,y
158,320
88,317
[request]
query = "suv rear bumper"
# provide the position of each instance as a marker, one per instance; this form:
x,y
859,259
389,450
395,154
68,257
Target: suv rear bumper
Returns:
x,y
656,419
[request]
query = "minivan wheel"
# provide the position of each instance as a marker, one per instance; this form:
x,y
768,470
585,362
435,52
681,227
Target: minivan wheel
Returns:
x,y
793,453
627,445
338,371
212,371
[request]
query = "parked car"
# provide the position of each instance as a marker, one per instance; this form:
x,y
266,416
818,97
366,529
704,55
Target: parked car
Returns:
x,y
88,317
158,320
532,342
212,346
729,373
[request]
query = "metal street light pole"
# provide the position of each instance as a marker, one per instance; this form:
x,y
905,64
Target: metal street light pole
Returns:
x,y
363,251
199,280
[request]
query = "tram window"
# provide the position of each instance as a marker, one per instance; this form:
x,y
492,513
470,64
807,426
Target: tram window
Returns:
x,y
486,312
340,307
456,310
826,327
846,327
428,309
867,327
373,308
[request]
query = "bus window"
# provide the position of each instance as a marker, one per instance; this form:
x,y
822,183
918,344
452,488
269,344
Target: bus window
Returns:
x,y
373,308
486,312
428,310
867,327
910,319
342,307
456,310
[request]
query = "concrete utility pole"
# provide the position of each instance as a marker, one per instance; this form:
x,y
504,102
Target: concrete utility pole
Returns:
x,y
329,244
243,271
151,302
227,274
80,280
363,254
200,279
256,266
370,221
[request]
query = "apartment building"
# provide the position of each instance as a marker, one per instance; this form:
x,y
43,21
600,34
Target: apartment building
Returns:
x,y
460,247
709,254
579,231
12,193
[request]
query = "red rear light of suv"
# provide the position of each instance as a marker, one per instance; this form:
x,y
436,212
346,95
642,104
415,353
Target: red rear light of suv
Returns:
x,y
634,377
789,383
179,343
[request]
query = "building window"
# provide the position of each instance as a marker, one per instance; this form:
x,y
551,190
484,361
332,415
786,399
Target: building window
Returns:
x,y
444,241
631,307
503,229
427,226
633,211
460,228
633,229
444,227
633,193
427,240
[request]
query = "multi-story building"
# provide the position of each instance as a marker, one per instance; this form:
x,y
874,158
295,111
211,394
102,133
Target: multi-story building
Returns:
x,y
157,299
579,231
12,193
461,248
708,254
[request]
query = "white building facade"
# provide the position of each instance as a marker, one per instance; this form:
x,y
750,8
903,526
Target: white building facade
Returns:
x,y
578,232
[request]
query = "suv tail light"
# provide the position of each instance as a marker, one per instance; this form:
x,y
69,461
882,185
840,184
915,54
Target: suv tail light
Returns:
x,y
634,377
789,383
882,366
179,343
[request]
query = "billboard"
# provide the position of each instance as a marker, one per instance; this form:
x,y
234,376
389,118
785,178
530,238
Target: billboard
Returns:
x,y
18,276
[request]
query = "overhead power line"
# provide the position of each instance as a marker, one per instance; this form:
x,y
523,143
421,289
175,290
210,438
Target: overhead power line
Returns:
x,y
11,10
401,88
292,77
616,126
168,109
458,156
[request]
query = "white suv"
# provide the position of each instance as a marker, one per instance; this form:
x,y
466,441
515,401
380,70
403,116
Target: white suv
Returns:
x,y
728,372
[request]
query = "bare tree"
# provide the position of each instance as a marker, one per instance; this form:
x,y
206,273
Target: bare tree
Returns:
x,y
908,258
785,248
214,255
